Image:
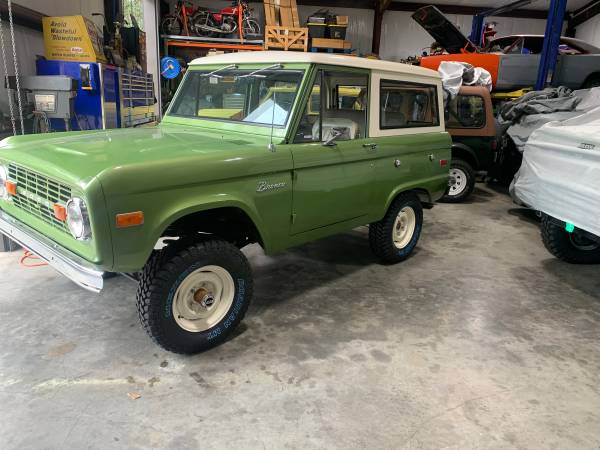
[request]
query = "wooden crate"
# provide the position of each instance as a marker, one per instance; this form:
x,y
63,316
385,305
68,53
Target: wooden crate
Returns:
x,y
331,43
282,12
286,38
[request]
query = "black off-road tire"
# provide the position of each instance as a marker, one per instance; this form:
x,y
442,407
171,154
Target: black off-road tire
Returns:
x,y
381,234
592,81
466,181
560,243
163,274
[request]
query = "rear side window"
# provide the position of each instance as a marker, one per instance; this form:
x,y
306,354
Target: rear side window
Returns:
x,y
465,111
407,105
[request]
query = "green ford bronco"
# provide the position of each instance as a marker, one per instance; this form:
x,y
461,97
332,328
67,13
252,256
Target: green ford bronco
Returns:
x,y
246,153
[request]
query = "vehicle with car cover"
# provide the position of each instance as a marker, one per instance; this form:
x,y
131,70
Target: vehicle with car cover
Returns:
x,y
274,148
559,179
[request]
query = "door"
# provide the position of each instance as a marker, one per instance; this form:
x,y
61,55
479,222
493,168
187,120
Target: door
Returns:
x,y
332,182
413,148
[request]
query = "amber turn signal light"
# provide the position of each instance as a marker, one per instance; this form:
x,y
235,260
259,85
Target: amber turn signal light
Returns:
x,y
131,219
11,187
60,212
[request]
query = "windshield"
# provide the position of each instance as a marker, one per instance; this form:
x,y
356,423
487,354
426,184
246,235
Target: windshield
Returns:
x,y
264,96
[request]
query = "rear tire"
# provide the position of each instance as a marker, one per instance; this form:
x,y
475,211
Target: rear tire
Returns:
x,y
395,236
591,82
191,299
171,25
569,247
464,181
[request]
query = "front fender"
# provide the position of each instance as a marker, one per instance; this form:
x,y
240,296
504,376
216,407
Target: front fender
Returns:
x,y
133,246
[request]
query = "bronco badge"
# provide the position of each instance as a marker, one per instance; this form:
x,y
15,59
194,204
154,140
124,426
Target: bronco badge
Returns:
x,y
264,186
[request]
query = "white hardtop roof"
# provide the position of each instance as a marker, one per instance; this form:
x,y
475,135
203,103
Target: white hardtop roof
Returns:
x,y
283,57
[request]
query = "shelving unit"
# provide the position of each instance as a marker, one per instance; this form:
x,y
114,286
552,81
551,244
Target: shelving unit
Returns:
x,y
210,43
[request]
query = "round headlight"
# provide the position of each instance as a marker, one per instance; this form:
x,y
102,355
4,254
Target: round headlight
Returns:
x,y
3,178
78,219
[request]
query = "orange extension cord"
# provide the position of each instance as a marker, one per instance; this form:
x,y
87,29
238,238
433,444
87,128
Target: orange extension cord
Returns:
x,y
28,255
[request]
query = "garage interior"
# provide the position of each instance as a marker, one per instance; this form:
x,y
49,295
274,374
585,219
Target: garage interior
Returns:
x,y
481,338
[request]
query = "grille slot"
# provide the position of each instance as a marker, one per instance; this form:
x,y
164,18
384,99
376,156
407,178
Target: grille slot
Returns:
x,y
41,187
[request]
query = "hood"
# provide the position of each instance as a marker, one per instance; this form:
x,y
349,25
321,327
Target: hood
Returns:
x,y
442,30
76,158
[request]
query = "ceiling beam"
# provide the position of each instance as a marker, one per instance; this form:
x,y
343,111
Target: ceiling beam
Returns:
x,y
413,6
21,16
470,10
584,13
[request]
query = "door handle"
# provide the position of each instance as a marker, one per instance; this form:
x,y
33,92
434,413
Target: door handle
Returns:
x,y
371,145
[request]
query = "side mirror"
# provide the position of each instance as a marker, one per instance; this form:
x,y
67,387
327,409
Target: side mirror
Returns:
x,y
335,133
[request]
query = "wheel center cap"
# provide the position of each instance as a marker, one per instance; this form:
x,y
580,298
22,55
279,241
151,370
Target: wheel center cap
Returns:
x,y
204,298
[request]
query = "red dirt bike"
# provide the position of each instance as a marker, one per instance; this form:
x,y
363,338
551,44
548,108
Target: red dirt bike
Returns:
x,y
218,23
179,22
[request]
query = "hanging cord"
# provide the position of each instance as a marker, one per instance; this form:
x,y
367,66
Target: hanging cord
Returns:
x,y
14,49
10,97
28,255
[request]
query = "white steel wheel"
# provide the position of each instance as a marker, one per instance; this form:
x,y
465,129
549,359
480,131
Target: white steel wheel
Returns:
x,y
203,298
404,227
460,183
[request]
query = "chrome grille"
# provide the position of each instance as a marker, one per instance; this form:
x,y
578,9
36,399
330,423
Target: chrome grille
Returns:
x,y
37,194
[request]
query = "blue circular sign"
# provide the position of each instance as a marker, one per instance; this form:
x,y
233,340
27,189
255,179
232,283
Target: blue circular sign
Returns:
x,y
169,67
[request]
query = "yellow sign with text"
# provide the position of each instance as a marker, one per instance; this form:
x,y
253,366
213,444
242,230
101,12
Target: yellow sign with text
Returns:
x,y
72,38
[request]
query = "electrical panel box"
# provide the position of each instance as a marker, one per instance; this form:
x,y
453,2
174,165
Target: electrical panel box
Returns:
x,y
107,96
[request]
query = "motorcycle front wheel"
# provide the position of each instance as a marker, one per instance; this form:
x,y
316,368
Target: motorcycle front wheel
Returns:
x,y
251,27
201,23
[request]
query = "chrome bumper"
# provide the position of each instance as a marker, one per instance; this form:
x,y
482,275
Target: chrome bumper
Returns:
x,y
70,265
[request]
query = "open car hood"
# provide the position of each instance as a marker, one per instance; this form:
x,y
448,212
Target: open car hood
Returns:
x,y
442,30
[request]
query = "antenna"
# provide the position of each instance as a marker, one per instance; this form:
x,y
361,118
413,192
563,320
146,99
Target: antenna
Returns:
x,y
271,145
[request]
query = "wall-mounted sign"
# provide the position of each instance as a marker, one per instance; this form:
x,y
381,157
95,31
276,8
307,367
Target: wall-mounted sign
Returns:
x,y
72,38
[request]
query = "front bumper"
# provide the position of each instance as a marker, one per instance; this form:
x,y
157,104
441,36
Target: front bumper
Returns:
x,y
67,263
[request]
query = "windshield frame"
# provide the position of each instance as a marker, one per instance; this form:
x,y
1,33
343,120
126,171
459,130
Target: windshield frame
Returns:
x,y
239,125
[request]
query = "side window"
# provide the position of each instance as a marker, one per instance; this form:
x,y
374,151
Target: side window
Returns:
x,y
344,105
309,129
407,105
466,111
337,104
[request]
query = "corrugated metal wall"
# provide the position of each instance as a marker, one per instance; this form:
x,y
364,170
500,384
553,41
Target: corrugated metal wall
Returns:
x,y
402,37
589,31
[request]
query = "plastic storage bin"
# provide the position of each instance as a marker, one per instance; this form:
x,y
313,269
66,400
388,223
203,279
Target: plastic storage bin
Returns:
x,y
337,31
317,30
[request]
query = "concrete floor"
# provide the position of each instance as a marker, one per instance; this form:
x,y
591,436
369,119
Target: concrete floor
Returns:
x,y
480,340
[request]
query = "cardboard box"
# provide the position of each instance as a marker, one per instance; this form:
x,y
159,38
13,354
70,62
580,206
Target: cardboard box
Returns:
x,y
341,20
331,43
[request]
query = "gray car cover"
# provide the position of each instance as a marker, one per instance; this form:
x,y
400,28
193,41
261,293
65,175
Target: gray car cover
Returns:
x,y
560,172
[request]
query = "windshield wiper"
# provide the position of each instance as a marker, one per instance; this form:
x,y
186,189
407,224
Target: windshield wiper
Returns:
x,y
256,72
213,73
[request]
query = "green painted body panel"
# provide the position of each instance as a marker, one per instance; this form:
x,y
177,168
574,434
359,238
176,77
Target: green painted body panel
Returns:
x,y
187,165
482,147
